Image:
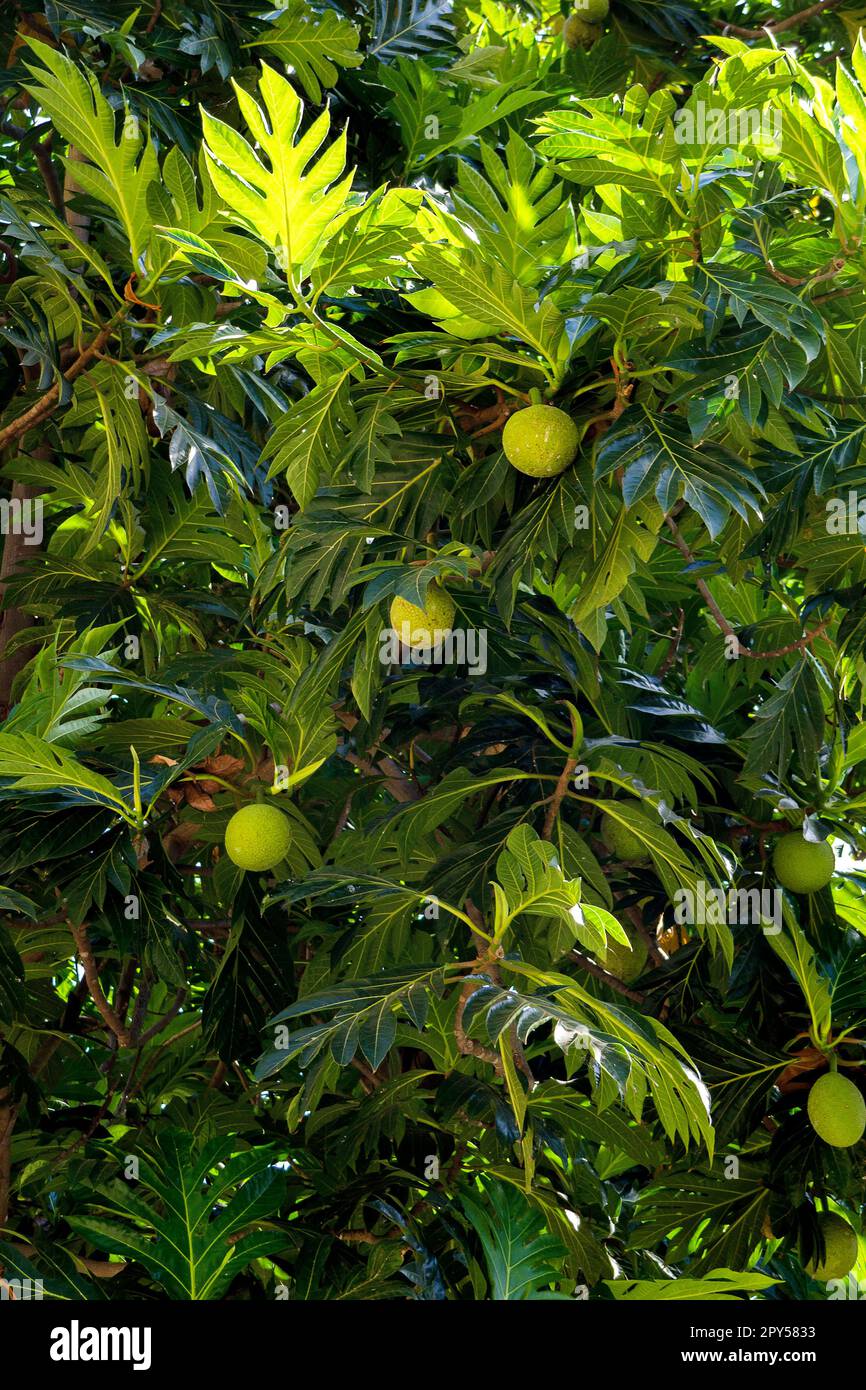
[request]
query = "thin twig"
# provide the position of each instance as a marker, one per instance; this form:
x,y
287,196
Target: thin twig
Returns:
x,y
722,622
49,401
91,975
589,965
674,647
556,799
161,1023
486,963
780,25
655,953
49,175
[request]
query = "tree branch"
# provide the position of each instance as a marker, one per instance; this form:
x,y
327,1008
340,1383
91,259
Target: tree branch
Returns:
x,y
91,975
722,622
78,222
781,25
49,175
14,620
163,1022
636,919
556,799
8,1116
592,968
48,404
468,1046
673,648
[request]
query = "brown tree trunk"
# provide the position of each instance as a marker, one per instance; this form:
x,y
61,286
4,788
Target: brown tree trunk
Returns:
x,y
8,1116
14,620
77,222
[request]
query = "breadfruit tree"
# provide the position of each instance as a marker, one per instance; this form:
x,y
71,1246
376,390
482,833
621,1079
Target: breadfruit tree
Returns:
x,y
433,649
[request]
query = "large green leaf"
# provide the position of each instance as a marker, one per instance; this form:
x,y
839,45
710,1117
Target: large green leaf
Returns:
x,y
52,1275
794,949
627,141
365,1018
489,293
519,211
120,166
310,438
531,881
658,459
717,1286
313,45
33,765
409,27
789,723
11,973
639,1055
291,202
521,1255
206,1216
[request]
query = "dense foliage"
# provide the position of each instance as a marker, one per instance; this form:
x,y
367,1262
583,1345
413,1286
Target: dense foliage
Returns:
x,y
497,1024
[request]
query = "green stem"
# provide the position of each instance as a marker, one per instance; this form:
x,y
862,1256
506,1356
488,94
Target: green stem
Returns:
x,y
455,912
136,787
369,359
247,749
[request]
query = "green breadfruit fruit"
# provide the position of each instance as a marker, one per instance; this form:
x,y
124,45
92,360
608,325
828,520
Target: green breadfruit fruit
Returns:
x,y
592,10
837,1110
578,34
841,1249
258,837
626,962
540,441
423,624
623,842
803,866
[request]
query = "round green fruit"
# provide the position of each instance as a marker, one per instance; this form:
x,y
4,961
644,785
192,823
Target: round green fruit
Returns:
x,y
540,440
837,1110
841,1249
626,962
593,10
423,624
804,866
578,34
258,837
622,842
